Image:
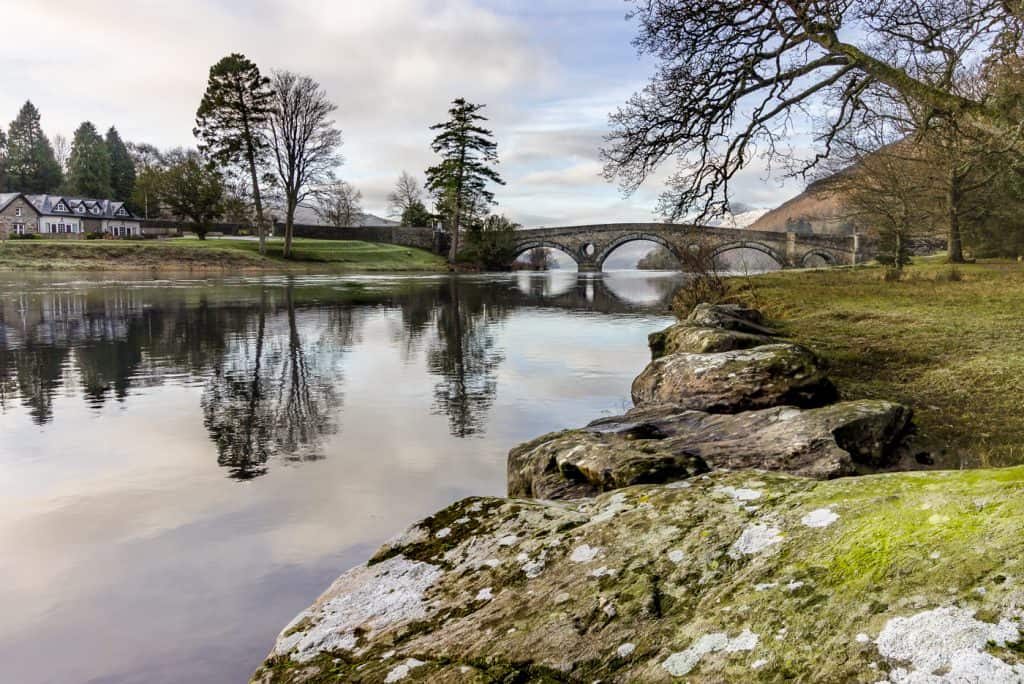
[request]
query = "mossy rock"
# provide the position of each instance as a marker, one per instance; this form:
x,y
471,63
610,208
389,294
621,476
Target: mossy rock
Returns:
x,y
689,338
734,381
740,576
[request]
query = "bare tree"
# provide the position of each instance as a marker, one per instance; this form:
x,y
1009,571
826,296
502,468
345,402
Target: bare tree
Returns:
x,y
407,194
339,204
303,142
734,75
62,151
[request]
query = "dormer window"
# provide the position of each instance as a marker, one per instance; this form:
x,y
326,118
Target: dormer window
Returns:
x,y
94,210
80,209
60,207
122,212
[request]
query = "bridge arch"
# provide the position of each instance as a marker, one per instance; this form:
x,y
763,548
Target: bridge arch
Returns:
x,y
607,250
524,247
826,256
780,259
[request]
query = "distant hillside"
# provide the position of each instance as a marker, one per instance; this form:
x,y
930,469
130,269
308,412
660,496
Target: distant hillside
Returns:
x,y
818,209
308,216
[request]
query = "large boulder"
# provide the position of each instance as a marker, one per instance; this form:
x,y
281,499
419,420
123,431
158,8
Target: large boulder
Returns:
x,y
728,577
734,381
729,317
666,443
688,338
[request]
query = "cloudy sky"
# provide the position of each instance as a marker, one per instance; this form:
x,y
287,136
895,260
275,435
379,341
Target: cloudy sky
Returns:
x,y
549,71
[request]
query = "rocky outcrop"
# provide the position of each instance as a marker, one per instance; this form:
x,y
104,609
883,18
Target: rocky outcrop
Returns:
x,y
729,317
734,381
702,564
689,338
666,443
728,577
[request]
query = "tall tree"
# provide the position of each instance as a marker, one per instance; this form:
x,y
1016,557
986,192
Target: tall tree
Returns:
x,y
193,190
89,164
303,142
31,165
407,193
339,204
149,165
733,74
3,160
230,119
122,168
459,181
61,151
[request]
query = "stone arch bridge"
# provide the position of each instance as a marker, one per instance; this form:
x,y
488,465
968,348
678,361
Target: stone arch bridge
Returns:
x,y
590,246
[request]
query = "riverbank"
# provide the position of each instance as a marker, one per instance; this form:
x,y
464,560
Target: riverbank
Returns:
x,y
948,347
214,255
705,564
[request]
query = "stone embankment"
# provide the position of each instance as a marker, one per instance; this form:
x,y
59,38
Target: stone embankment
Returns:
x,y
706,535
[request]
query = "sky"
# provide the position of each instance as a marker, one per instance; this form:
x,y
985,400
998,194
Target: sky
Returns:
x,y
549,71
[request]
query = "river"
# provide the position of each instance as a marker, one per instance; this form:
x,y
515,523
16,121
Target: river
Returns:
x,y
185,464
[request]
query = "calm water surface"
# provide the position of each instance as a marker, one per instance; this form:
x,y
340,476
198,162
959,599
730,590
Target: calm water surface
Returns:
x,y
187,464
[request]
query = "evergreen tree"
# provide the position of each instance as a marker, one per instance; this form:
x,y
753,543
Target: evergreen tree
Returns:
x,y
416,214
89,164
31,165
230,118
122,168
460,180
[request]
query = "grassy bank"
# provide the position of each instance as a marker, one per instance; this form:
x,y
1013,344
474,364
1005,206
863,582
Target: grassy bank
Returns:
x,y
950,347
213,255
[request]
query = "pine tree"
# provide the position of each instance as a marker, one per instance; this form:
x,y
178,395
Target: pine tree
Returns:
x,y
459,181
31,165
89,164
122,169
230,118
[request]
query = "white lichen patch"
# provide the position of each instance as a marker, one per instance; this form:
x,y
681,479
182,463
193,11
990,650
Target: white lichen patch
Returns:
x,y
402,671
602,572
741,494
676,555
822,517
755,539
442,533
584,553
948,645
485,594
681,484
758,664
682,663
616,504
508,540
625,650
862,639
794,585
765,586
369,598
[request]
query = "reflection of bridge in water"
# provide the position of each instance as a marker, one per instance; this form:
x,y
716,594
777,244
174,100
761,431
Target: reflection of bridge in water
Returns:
x,y
605,294
590,246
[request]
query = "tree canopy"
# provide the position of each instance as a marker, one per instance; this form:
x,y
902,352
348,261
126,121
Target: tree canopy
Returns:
x,y
31,165
122,168
89,164
459,181
231,119
733,76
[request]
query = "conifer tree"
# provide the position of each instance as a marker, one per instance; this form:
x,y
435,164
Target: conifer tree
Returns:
x,y
31,165
122,168
230,121
89,164
459,181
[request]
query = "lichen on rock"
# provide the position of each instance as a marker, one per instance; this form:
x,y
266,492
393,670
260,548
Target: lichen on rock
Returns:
x,y
669,581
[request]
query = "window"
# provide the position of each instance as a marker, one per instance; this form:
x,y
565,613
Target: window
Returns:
x,y
60,207
19,228
80,209
17,211
122,212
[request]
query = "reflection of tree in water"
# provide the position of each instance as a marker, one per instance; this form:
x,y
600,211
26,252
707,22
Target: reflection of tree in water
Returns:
x,y
465,357
273,392
39,372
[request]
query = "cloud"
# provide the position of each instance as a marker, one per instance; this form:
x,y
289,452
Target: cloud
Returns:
x,y
549,72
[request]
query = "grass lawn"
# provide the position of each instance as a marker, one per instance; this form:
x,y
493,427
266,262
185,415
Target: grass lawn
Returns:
x,y
191,254
951,349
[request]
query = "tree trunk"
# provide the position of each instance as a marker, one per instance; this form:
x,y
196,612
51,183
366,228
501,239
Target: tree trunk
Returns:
x,y
260,231
899,251
289,227
453,249
954,239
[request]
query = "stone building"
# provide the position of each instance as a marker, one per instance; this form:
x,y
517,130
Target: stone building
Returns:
x,y
59,216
